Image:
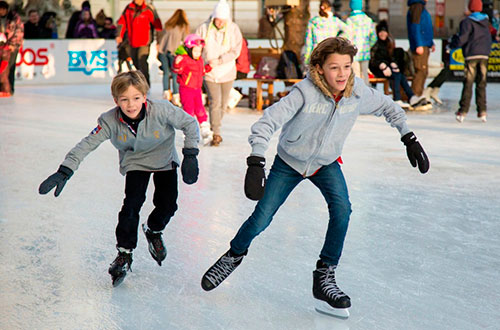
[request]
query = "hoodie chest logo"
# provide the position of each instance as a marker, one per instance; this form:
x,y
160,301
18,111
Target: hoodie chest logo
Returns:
x,y
122,138
318,108
347,108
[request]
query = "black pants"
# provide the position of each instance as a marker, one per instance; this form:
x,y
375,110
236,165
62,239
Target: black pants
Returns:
x,y
164,200
12,69
140,58
440,79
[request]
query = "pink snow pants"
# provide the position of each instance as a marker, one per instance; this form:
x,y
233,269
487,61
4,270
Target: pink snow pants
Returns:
x,y
192,103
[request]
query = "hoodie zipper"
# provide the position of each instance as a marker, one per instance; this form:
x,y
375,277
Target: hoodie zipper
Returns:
x,y
322,133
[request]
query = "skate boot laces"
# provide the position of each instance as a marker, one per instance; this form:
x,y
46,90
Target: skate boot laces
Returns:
x,y
328,283
225,266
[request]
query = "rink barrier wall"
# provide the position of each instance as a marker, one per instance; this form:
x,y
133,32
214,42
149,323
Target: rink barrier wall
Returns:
x,y
81,61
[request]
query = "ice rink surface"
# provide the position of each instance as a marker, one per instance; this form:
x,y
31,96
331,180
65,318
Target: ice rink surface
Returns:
x,y
422,251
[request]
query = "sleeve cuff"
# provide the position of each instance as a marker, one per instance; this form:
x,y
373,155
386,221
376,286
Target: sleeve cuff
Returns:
x,y
258,150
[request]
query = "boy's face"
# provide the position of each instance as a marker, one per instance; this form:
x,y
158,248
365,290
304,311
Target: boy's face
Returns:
x,y
197,52
336,70
131,102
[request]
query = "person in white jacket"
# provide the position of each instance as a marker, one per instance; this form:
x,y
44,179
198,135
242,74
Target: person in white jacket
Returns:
x,y
223,42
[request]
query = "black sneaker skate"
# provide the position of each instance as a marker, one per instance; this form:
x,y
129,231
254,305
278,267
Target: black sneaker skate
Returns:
x,y
329,298
221,270
155,244
118,268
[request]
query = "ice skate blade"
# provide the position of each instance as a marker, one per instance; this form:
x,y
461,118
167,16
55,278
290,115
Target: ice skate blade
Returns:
x,y
323,308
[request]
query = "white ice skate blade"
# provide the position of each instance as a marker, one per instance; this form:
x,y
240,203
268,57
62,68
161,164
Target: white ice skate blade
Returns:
x,y
323,308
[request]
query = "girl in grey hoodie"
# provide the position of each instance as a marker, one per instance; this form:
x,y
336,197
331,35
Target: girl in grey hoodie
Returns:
x,y
143,131
315,119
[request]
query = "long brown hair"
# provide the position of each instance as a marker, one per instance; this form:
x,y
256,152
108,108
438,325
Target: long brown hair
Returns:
x,y
179,18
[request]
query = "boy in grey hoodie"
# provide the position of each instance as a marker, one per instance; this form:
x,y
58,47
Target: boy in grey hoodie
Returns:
x,y
315,117
143,131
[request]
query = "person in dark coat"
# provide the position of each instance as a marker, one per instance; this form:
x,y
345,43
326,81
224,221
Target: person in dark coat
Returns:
x,y
475,40
75,17
32,28
383,64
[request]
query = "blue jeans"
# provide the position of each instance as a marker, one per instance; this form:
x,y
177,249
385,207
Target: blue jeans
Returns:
x,y
167,61
281,181
399,80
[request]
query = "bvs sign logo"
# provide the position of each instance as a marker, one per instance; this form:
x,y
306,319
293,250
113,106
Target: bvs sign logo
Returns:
x,y
88,62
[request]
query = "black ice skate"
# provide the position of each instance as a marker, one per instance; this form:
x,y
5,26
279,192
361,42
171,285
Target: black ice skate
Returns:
x,y
221,270
155,244
118,268
329,298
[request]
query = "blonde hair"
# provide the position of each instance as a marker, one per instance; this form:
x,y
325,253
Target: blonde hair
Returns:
x,y
124,80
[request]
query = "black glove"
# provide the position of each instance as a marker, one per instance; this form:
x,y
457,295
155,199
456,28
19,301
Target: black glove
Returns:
x,y
57,180
189,168
415,152
255,179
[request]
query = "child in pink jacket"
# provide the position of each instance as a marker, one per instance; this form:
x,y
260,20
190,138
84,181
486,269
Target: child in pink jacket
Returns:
x,y
190,70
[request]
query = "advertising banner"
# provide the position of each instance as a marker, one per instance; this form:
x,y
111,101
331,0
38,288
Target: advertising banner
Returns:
x,y
457,63
72,61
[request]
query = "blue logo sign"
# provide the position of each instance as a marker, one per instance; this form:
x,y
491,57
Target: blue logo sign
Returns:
x,y
89,62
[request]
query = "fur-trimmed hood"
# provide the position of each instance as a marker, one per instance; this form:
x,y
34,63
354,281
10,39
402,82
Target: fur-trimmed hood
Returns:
x,y
320,82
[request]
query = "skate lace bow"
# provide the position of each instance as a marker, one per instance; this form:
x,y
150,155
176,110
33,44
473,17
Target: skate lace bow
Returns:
x,y
329,284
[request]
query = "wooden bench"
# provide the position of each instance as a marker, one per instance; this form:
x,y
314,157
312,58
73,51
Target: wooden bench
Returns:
x,y
267,85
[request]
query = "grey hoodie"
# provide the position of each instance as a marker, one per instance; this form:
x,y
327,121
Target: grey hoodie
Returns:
x,y
314,126
153,146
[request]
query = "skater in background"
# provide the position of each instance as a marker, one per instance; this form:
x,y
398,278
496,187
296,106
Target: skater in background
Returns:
x,y
420,36
475,40
222,47
138,21
4,63
175,31
13,28
143,131
383,64
362,35
315,119
190,70
323,26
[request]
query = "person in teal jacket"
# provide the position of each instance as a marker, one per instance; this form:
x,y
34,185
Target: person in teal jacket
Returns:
x,y
143,131
315,119
420,35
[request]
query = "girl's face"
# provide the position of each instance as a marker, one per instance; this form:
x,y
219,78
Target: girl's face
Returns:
x,y
131,102
197,52
382,35
336,70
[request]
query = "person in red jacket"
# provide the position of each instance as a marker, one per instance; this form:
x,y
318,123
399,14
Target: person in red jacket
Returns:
x,y
138,20
190,69
243,61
